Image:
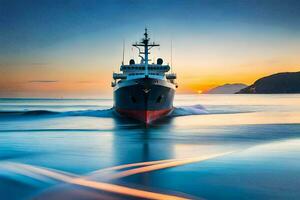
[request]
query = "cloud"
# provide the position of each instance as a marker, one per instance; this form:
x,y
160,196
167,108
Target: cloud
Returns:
x,y
43,81
18,64
39,63
84,82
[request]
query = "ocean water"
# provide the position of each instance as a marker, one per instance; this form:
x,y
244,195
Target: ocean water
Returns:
x,y
210,147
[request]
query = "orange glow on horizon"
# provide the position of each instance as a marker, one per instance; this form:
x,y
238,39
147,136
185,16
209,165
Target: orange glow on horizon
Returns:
x,y
94,81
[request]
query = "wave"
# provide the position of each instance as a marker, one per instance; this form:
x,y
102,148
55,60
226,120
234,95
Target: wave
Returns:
x,y
55,130
189,110
34,113
27,113
110,113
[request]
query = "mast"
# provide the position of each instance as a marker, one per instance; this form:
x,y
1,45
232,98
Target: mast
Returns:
x,y
147,46
146,40
171,56
123,52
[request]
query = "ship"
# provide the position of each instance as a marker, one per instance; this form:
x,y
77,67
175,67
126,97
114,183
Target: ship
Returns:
x,y
144,91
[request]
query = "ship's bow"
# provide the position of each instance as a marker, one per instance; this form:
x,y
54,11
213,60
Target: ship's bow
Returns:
x,y
144,99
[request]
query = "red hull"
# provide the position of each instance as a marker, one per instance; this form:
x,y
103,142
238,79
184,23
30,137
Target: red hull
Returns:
x,y
145,116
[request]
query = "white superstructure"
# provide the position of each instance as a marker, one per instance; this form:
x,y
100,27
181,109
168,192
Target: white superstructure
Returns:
x,y
144,69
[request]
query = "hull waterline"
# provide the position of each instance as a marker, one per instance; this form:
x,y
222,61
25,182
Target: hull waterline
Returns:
x,y
146,116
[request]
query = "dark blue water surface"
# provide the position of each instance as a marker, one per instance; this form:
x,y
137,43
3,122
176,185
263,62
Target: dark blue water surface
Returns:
x,y
251,144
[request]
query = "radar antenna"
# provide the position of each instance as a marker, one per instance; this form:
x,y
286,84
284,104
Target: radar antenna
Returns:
x,y
147,46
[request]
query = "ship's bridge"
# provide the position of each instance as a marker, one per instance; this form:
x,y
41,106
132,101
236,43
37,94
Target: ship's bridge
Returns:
x,y
139,67
134,71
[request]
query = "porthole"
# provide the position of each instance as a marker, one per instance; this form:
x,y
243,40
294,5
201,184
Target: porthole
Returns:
x,y
133,99
159,99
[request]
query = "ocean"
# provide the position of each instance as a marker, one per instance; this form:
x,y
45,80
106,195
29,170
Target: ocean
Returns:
x,y
210,147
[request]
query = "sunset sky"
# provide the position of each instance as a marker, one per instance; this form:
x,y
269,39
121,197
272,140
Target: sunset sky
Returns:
x,y
69,48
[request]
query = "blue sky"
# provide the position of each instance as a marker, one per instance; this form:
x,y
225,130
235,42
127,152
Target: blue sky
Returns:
x,y
78,35
29,24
